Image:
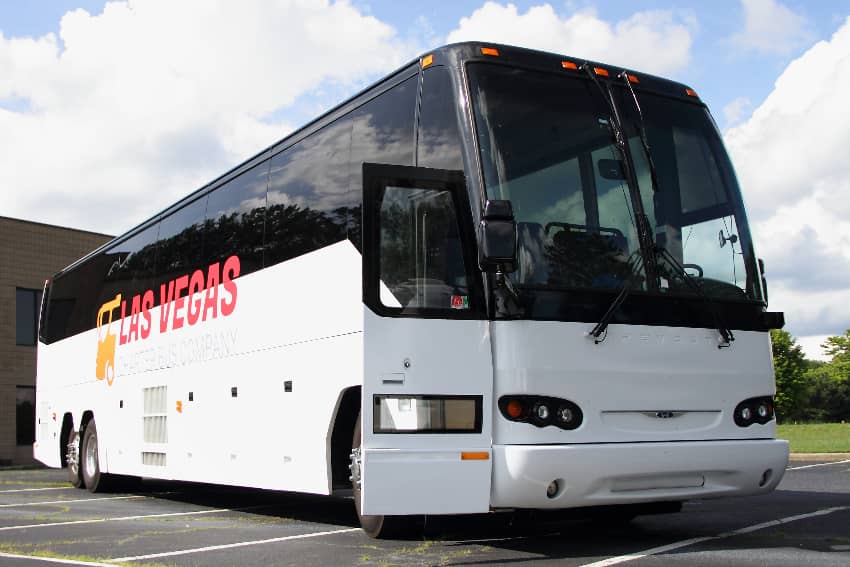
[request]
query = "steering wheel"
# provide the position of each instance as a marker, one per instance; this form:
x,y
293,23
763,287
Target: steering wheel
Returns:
x,y
696,267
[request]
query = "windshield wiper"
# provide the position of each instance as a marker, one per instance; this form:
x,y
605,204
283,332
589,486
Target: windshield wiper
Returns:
x,y
641,221
644,139
726,334
625,290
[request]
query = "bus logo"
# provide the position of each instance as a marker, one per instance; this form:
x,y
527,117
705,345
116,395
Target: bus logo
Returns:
x,y
105,365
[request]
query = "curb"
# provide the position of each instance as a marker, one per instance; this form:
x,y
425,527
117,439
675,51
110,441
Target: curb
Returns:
x,y
831,457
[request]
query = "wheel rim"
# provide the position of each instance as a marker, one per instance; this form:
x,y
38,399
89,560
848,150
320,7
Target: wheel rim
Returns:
x,y
73,456
91,456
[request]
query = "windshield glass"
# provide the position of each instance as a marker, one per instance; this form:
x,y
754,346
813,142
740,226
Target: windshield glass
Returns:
x,y
547,145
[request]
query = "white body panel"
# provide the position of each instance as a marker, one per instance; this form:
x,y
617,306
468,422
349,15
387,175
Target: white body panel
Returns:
x,y
299,321
624,452
415,473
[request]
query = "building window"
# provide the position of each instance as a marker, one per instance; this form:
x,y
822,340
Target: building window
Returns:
x,y
25,415
27,303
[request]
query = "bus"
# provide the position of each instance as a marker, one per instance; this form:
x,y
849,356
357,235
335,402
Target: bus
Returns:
x,y
497,279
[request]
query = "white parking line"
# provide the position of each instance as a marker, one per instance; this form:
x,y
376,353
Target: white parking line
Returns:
x,y
37,489
100,520
55,560
72,501
232,545
688,542
817,465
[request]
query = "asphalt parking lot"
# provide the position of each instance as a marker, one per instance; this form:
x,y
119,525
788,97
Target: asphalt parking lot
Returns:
x,y
45,522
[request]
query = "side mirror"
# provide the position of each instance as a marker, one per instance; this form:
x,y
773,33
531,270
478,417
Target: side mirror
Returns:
x,y
497,237
763,281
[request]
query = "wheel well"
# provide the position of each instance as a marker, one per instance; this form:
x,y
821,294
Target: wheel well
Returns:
x,y
64,437
88,415
343,430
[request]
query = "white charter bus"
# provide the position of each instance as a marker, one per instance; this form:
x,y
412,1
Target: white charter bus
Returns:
x,y
496,279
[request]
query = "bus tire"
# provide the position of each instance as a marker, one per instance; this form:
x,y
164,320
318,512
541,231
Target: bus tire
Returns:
x,y
75,476
378,527
94,480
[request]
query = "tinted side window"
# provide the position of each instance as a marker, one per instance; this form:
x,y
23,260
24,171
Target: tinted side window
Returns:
x,y
382,133
439,138
421,256
181,240
309,200
63,298
130,269
234,219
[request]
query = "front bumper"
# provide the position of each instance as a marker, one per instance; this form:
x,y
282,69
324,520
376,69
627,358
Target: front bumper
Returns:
x,y
627,473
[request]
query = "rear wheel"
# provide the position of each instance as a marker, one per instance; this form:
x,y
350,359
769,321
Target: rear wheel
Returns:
x,y
94,480
72,456
375,526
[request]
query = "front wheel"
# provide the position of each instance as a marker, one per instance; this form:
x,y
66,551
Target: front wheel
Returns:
x,y
378,527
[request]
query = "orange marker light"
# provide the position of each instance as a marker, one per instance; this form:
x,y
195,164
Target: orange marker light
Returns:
x,y
490,51
569,65
427,60
690,92
514,409
600,71
474,456
632,78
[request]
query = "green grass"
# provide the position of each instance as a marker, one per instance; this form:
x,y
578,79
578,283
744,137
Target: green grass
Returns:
x,y
816,437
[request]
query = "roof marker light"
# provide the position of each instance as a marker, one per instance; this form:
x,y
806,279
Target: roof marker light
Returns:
x,y
690,92
490,51
569,65
427,60
600,71
632,78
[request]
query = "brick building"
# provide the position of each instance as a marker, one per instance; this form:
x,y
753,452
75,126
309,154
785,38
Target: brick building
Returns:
x,y
30,252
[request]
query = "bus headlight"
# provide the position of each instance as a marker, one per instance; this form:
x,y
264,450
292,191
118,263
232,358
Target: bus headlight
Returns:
x,y
541,411
427,414
754,410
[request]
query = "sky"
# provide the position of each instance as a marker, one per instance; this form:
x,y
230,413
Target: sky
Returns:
x,y
109,111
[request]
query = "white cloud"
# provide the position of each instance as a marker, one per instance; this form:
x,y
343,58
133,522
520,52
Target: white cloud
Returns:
x,y
736,110
812,347
770,27
139,105
791,159
652,41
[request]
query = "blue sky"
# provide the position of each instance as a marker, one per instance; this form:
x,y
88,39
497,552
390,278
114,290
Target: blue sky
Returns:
x,y
110,112
721,72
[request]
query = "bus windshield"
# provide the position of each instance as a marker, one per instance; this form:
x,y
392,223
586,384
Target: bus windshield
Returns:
x,y
547,144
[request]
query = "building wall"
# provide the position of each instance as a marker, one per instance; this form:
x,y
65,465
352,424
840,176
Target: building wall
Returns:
x,y
29,253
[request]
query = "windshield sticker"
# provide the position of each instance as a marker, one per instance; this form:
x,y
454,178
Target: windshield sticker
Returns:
x,y
460,302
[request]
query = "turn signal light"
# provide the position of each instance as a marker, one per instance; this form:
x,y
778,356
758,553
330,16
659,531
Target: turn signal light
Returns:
x,y
490,51
541,411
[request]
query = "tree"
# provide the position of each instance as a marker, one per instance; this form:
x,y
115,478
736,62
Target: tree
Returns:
x,y
838,348
789,364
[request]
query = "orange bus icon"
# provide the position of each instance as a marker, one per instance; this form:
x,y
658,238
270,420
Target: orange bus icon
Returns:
x,y
105,367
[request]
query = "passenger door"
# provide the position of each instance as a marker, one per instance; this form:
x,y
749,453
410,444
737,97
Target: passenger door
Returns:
x,y
427,364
